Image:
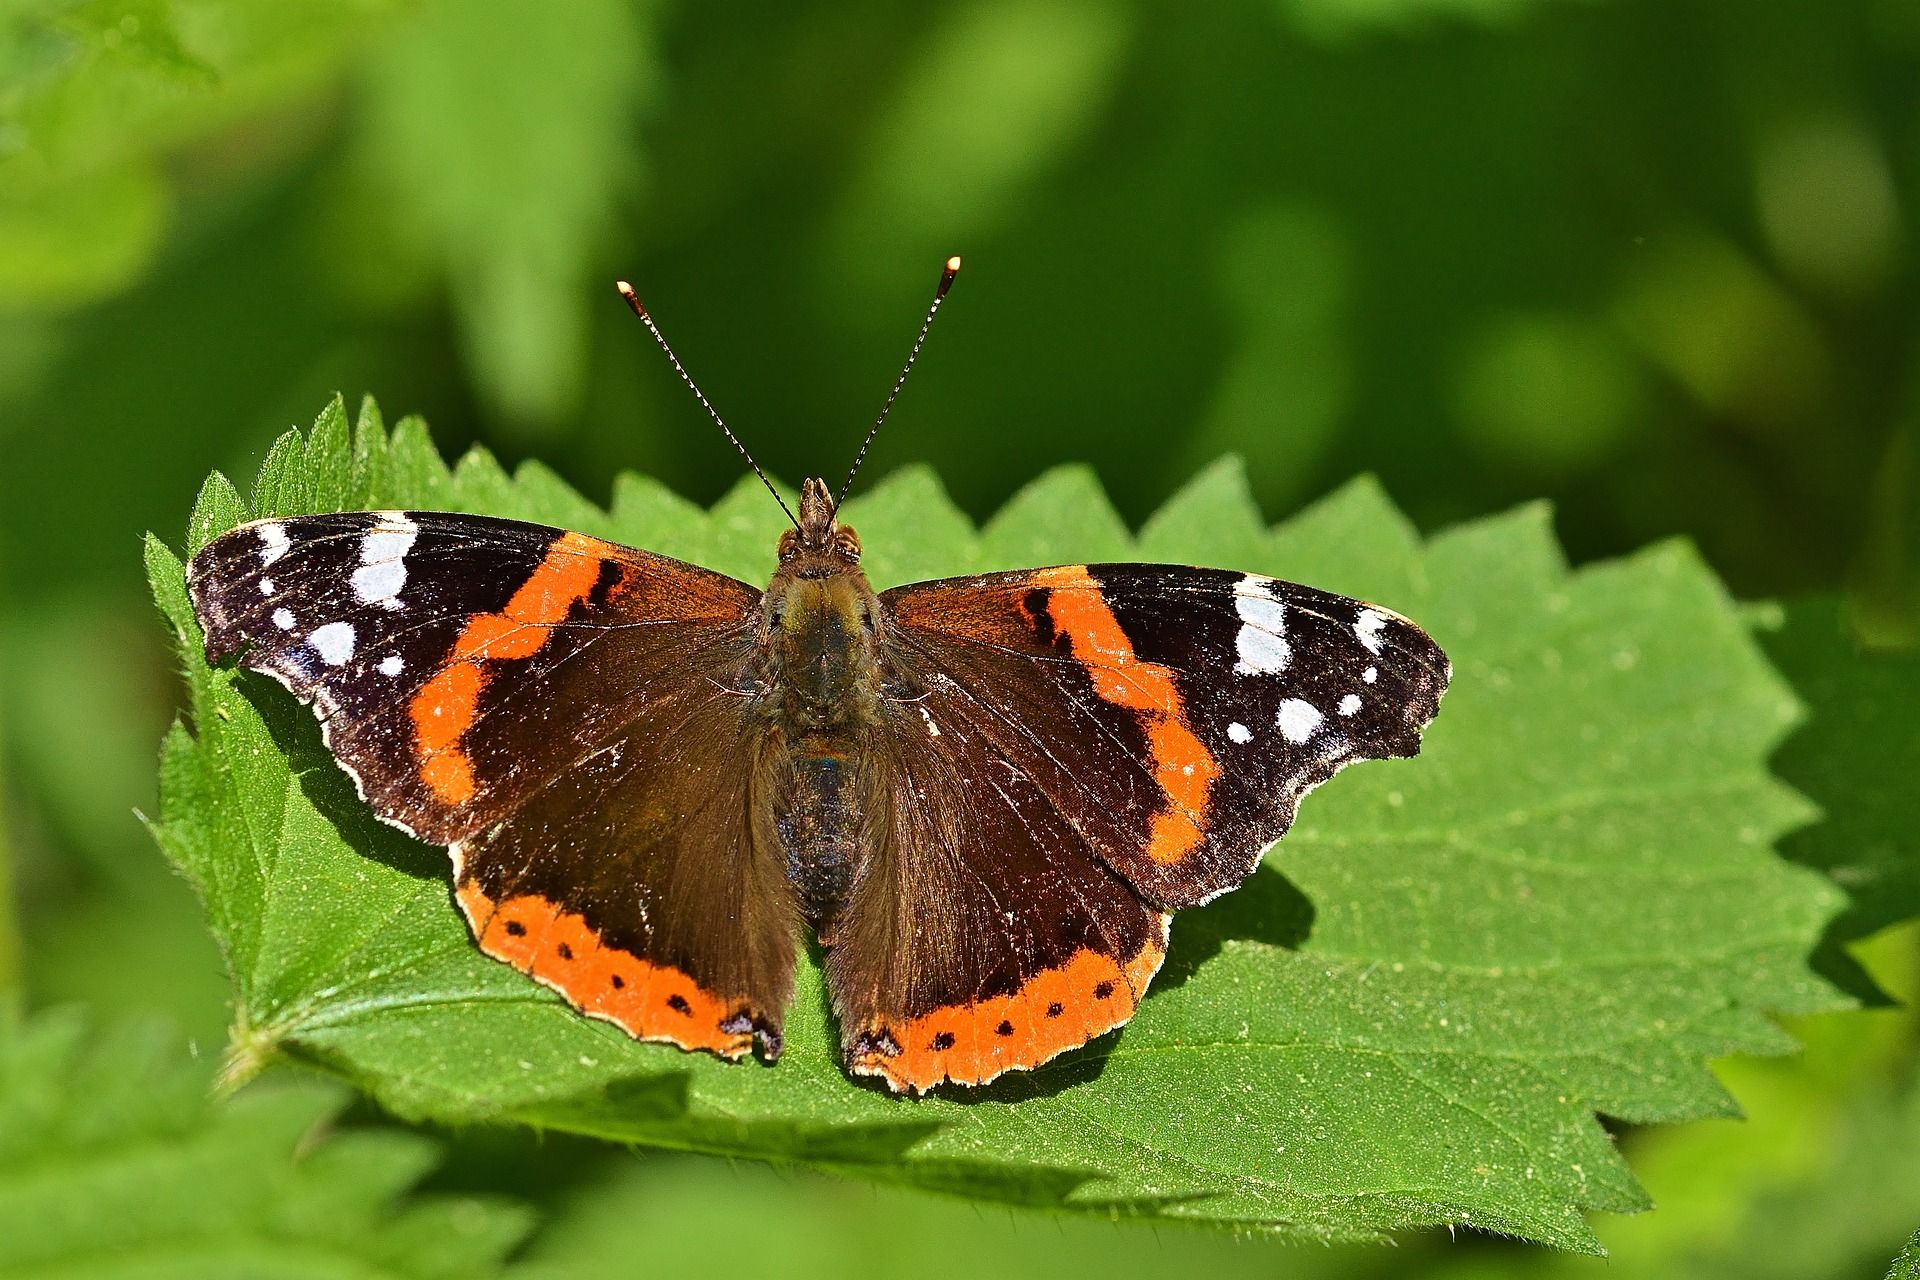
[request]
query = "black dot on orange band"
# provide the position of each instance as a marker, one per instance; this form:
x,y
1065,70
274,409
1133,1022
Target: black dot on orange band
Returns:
x,y
1004,1029
678,1003
944,1040
1039,618
1102,991
1054,1010
515,928
566,952
618,982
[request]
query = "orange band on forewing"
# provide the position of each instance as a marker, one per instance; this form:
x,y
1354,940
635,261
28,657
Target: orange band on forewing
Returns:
x,y
648,1001
443,710
446,706
1182,765
1055,1010
572,565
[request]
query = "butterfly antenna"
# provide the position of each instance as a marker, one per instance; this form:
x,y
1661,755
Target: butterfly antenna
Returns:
x,y
947,274
639,309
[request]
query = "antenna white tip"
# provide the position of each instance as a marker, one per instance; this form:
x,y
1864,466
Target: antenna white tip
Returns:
x,y
633,299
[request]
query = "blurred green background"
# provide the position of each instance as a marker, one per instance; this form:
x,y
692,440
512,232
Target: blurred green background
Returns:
x,y
1652,261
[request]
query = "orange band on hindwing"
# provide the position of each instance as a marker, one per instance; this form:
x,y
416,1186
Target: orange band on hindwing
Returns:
x,y
1182,765
1055,1010
648,1001
445,707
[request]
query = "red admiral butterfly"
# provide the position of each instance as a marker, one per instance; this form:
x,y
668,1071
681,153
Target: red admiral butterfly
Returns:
x,y
986,796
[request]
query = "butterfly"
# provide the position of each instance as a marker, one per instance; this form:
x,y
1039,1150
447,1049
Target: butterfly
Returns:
x,y
985,796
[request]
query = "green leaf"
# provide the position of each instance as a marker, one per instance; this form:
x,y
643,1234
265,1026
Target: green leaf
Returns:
x,y
113,1162
1342,22
1907,1265
9,926
1857,757
1817,1183
506,145
94,93
670,1208
1002,91
1409,1016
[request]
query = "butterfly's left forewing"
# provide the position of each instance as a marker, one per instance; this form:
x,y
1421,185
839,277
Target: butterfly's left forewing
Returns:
x,y
1177,714
1132,735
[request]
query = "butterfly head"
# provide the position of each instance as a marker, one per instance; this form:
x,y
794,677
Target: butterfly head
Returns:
x,y
818,546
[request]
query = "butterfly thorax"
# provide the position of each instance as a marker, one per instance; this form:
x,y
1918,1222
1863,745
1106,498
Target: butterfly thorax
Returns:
x,y
820,626
819,646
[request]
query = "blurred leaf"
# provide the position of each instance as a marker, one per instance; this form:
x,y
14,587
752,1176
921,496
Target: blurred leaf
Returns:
x,y
1858,757
68,670
59,242
1828,203
1286,271
9,923
1341,20
114,1163
1565,906
1885,580
1862,1192
93,93
671,1208
506,143
1547,393
1727,331
1001,91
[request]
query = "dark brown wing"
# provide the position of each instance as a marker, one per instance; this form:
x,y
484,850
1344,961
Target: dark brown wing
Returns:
x,y
633,882
1080,750
559,712
983,934
1176,715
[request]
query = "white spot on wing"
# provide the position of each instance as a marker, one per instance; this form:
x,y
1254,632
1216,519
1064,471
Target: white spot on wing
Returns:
x,y
1297,720
932,728
266,587
1349,704
383,559
273,543
1261,644
1370,674
333,642
1368,627
1239,732
283,619
1260,609
1261,653
391,665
